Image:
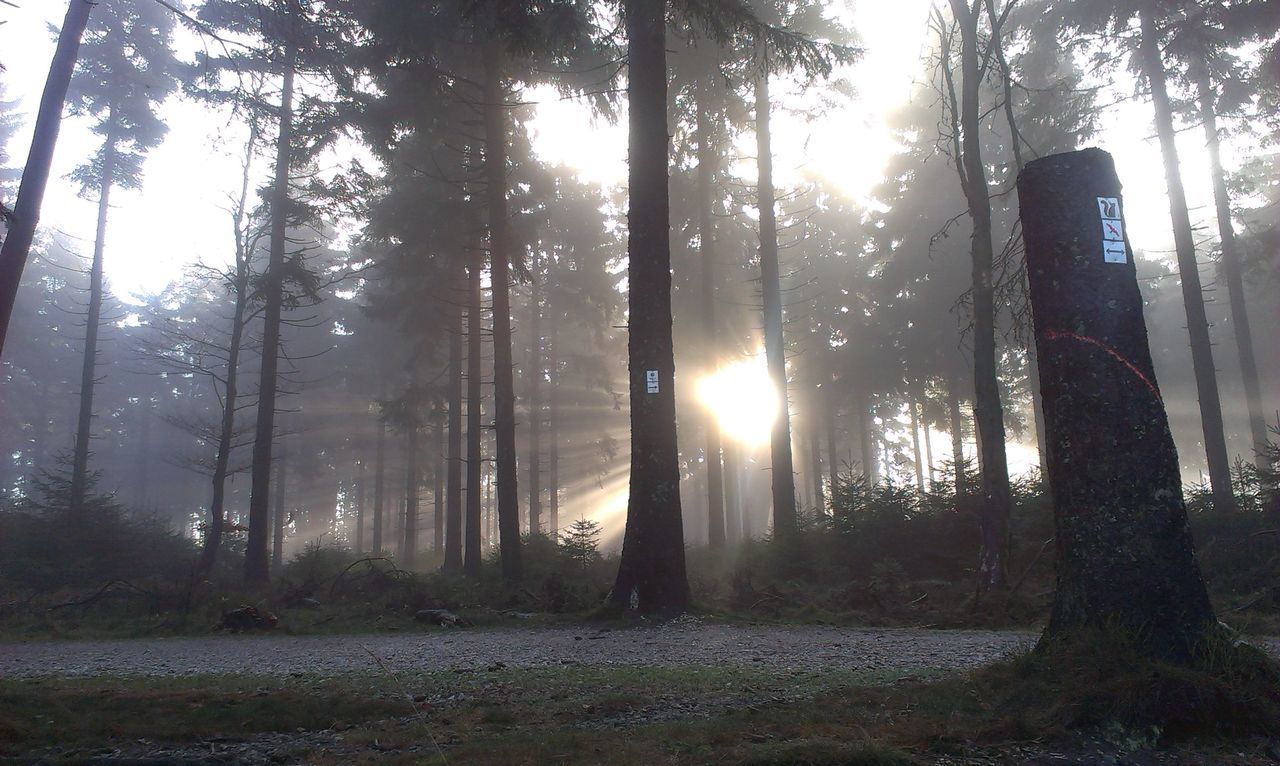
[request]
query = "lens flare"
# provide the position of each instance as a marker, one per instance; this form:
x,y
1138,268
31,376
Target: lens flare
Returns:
x,y
743,400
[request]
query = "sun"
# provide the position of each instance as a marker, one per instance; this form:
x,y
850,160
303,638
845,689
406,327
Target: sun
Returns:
x,y
743,400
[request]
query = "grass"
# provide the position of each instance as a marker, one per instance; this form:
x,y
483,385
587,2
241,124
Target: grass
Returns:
x,y
579,715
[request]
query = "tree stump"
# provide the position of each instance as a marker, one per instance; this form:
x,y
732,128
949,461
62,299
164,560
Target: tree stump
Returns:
x,y
1124,552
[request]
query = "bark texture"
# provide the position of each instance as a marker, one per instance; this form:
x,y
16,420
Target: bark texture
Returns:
x,y
1125,556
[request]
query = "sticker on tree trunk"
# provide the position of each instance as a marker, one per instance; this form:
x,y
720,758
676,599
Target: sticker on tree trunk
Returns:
x,y
651,381
1113,249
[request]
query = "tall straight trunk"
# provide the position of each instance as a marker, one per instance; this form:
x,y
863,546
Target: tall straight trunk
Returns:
x,y
453,501
815,449
256,571
707,165
988,411
866,448
1231,272
830,413
409,547
1215,442
553,428
928,441
379,485
535,402
783,471
957,434
438,491
732,491
35,173
226,433
282,477
1015,142
495,166
84,424
915,441
360,493
473,555
651,575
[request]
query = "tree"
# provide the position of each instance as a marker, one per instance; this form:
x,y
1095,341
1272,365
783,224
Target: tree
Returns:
x,y
651,576
126,68
21,223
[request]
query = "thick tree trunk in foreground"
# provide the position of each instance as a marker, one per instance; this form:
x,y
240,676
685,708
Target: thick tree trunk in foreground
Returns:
x,y
453,502
988,412
783,470
93,321
1125,557
711,337
472,554
1231,272
379,485
35,174
256,570
1188,271
504,397
651,575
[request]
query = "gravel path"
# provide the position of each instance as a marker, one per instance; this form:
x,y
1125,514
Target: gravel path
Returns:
x,y
773,648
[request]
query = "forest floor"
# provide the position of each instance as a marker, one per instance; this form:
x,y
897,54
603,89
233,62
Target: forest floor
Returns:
x,y
685,692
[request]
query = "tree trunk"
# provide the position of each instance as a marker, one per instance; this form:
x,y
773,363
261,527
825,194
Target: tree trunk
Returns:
x,y
35,174
815,452
360,493
1231,272
957,435
409,547
1124,552
438,491
495,164
226,434
473,554
379,485
707,164
535,401
915,441
282,476
862,408
988,411
93,320
453,503
830,415
553,428
1188,271
651,576
783,472
256,571
732,492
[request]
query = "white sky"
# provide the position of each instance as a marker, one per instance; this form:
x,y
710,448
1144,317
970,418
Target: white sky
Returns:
x,y
180,216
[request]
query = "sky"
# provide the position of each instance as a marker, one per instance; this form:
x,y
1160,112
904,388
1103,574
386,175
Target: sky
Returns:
x,y
181,217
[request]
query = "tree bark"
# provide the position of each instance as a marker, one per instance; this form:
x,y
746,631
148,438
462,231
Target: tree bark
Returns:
x,y
553,428
495,163
379,485
256,571
409,546
957,434
472,558
453,503
1231,272
1188,270
93,320
783,471
988,411
651,575
732,492
35,174
359,493
438,490
282,476
535,401
915,440
1124,550
707,165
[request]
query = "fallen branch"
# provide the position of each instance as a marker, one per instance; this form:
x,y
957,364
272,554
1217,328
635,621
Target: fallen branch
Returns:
x,y
368,560
100,593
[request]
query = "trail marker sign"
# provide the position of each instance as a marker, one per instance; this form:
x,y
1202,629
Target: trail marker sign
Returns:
x,y
1113,249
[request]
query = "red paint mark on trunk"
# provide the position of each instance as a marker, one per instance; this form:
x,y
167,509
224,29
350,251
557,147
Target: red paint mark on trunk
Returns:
x,y
1060,335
